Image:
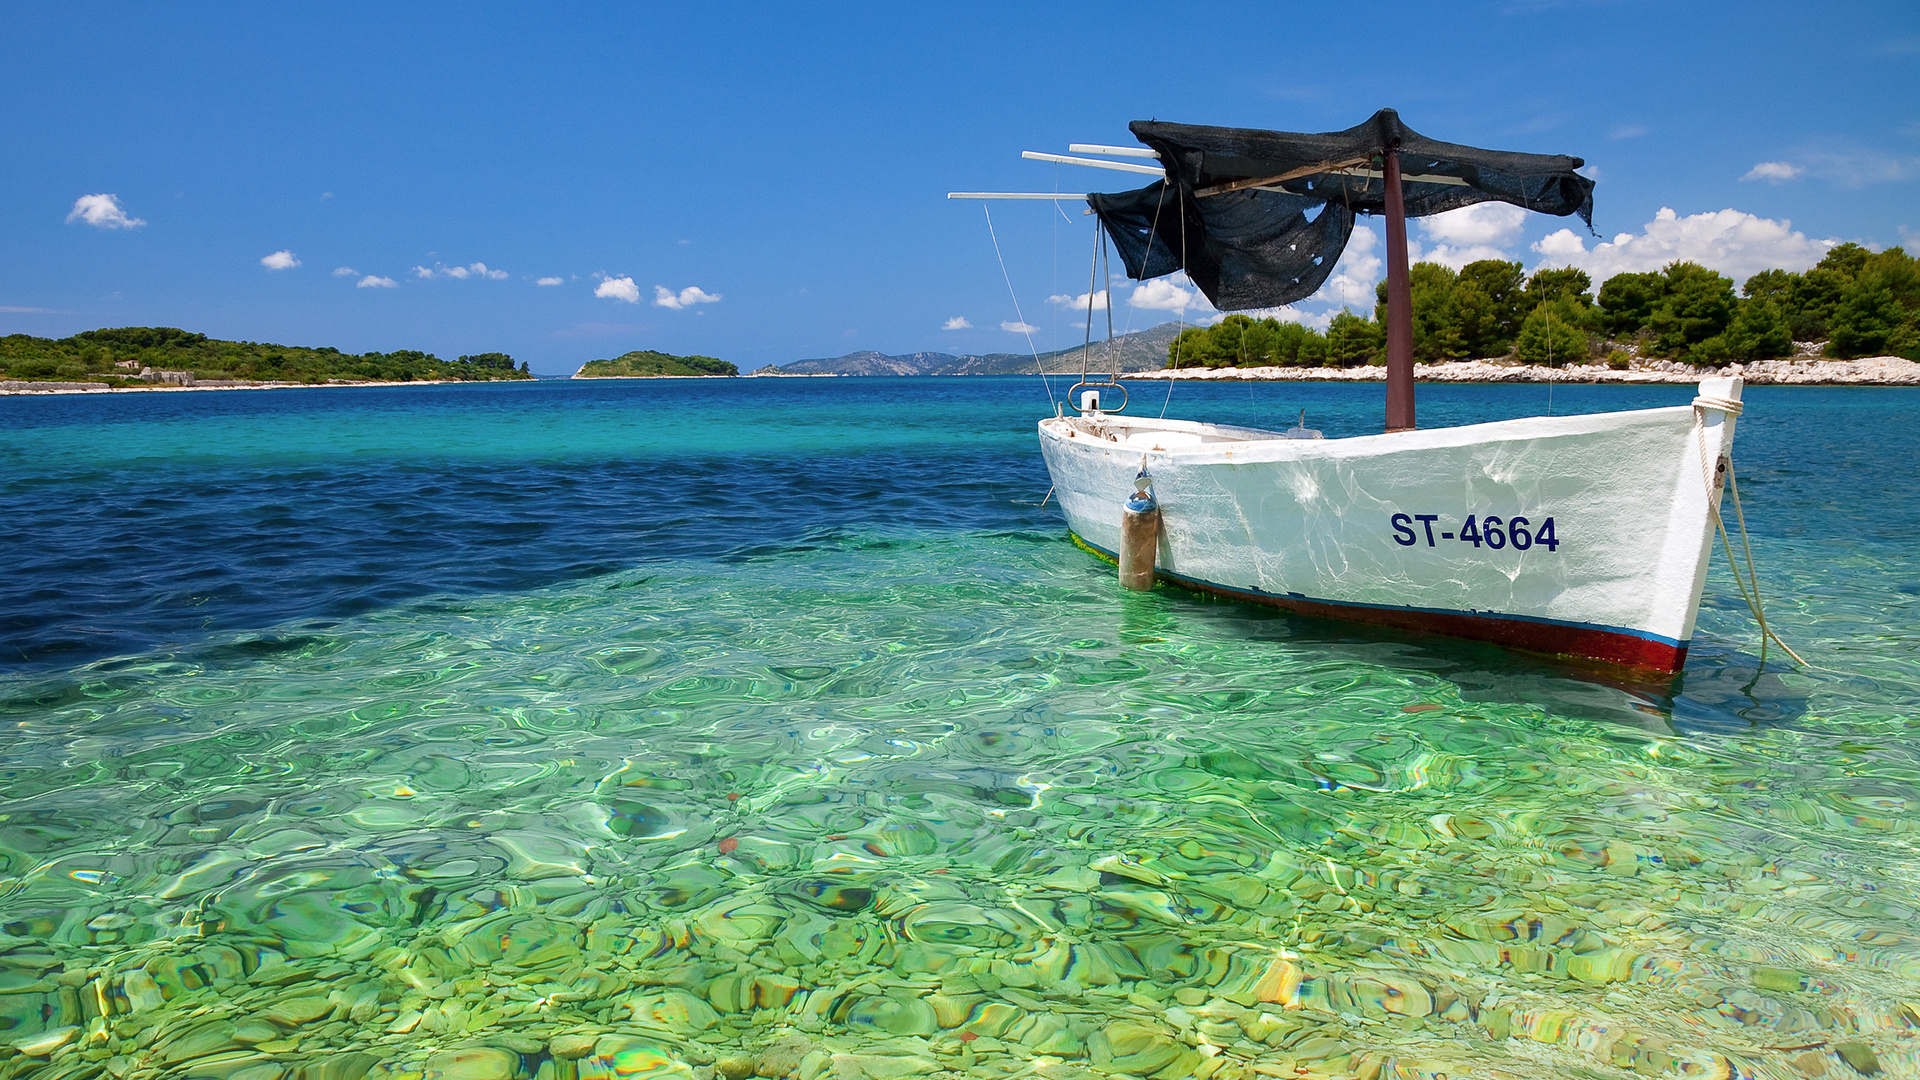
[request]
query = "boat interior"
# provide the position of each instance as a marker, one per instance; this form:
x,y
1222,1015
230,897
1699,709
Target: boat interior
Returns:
x,y
1145,433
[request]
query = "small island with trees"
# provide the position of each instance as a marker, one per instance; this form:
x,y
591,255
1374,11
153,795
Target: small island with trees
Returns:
x,y
152,357
648,364
1855,303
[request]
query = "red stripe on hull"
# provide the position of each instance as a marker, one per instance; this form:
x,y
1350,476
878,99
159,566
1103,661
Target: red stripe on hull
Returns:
x,y
1552,639
1570,642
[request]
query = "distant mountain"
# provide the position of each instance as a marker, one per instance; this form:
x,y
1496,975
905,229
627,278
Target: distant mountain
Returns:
x,y
1144,351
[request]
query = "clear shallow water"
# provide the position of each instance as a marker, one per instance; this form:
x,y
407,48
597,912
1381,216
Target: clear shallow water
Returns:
x,y
678,726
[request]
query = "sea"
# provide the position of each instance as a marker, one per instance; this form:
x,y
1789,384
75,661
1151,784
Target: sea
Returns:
x,y
775,726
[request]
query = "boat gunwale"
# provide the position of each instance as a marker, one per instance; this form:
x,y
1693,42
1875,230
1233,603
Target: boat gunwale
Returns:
x,y
1243,451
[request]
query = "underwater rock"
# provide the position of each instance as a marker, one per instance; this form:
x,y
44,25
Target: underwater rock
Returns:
x,y
478,1063
1137,1050
1779,980
624,1057
46,1042
879,1066
570,1047
292,1012
782,1056
1859,1056
893,1015
675,1010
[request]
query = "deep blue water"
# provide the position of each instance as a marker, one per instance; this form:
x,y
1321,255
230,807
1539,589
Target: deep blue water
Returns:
x,y
141,520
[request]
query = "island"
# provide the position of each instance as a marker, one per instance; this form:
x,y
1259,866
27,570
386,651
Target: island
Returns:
x,y
165,357
648,364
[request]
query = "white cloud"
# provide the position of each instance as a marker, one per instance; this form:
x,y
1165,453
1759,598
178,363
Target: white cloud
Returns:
x,y
1079,303
958,322
103,212
550,281
1469,234
344,271
279,260
1734,243
1171,293
375,281
1018,327
478,269
1355,275
1853,167
1495,223
618,288
685,298
1774,172
1627,131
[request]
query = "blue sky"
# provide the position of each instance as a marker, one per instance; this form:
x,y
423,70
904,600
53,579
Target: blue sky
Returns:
x,y
765,183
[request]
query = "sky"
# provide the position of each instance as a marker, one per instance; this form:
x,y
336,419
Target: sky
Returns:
x,y
766,182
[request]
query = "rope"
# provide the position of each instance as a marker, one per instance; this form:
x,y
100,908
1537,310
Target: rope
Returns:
x,y
1180,318
1035,353
1749,586
1093,287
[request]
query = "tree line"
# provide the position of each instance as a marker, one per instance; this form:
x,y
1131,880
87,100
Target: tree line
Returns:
x,y
643,363
1855,303
116,356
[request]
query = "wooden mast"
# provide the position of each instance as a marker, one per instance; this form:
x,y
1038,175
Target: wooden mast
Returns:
x,y
1399,303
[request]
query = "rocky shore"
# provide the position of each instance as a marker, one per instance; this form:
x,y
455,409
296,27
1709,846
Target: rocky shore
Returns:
x,y
1800,371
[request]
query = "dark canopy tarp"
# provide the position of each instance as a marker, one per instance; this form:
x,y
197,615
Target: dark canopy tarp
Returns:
x,y
1275,242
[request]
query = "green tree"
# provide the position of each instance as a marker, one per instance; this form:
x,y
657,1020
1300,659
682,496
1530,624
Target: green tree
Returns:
x,y
1436,319
1555,333
1812,300
1759,331
1698,305
1297,346
1226,341
1353,341
1192,348
493,360
1865,319
1489,300
1627,302
1547,285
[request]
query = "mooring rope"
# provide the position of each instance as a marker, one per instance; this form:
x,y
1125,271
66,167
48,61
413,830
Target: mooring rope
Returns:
x,y
1749,586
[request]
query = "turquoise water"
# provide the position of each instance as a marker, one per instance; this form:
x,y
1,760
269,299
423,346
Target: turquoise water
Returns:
x,y
697,728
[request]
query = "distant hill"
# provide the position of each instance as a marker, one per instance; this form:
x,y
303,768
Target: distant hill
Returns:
x,y
644,363
1143,351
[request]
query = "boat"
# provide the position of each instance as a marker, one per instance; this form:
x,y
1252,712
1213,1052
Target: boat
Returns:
x,y
1579,537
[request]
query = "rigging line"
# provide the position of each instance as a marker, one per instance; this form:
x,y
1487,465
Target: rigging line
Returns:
x,y
1180,316
1106,288
1552,372
1093,286
1035,353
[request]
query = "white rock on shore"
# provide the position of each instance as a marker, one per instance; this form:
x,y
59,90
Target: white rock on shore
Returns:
x,y
1871,371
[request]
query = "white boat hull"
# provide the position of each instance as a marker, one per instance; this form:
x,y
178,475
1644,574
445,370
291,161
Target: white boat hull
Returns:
x,y
1577,536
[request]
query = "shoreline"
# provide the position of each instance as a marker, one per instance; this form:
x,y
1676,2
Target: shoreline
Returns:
x,y
26,387
1802,371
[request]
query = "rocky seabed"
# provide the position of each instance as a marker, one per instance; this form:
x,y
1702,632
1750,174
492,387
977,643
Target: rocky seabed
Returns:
x,y
1874,371
1195,957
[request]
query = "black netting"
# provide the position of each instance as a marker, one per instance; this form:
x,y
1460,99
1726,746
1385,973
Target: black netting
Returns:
x,y
1272,244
